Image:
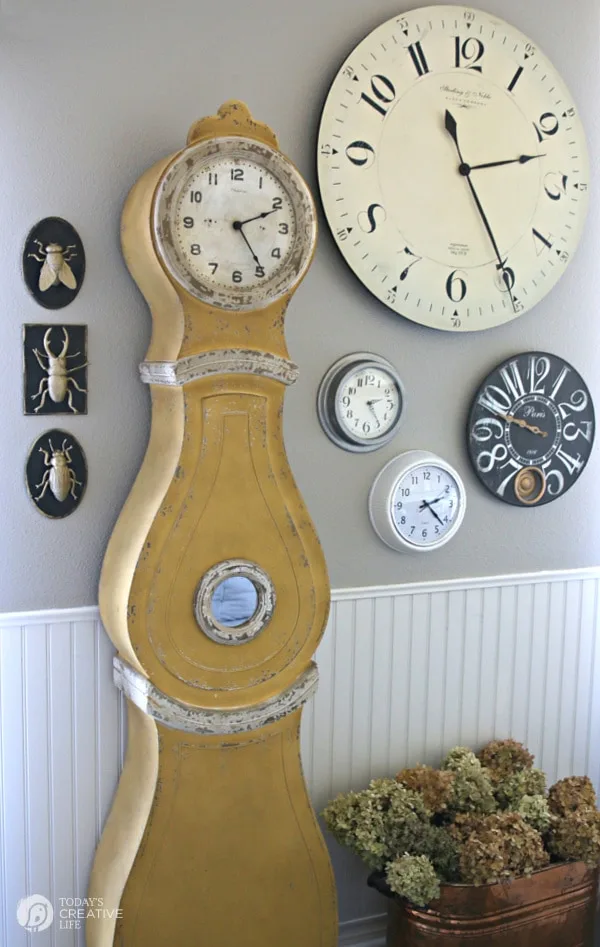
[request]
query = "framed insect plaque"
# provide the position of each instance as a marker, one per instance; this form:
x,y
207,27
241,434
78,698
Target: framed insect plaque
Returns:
x,y
56,474
53,263
54,369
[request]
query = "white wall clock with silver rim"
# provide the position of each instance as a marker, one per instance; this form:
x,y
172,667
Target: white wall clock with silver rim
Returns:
x,y
453,168
417,502
360,402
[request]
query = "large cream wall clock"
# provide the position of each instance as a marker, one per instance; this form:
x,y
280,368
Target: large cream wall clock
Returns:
x,y
453,168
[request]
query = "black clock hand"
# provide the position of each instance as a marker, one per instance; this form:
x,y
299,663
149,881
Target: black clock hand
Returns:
x,y
450,123
240,229
238,224
465,169
424,503
431,510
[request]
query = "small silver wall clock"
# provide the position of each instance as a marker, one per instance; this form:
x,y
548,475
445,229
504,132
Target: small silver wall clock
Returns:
x,y
417,502
54,369
360,402
453,168
531,429
53,262
56,474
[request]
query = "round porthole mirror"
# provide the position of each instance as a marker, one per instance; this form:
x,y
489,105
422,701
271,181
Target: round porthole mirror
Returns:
x,y
234,601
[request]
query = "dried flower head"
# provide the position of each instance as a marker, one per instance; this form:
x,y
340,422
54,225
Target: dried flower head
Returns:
x,y
570,794
535,811
502,847
471,790
576,835
413,877
433,784
511,788
504,757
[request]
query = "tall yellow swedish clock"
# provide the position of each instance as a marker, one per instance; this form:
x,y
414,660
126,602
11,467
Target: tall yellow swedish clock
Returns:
x,y
214,588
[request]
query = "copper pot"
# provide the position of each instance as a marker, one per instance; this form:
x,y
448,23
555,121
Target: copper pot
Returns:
x,y
554,907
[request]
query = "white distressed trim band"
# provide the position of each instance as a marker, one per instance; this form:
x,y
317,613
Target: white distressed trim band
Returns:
x,y
220,362
179,716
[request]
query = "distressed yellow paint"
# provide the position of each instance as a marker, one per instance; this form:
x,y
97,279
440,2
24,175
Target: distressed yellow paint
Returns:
x,y
211,840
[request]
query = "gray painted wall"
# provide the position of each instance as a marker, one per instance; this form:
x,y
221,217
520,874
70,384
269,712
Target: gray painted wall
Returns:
x,y
89,99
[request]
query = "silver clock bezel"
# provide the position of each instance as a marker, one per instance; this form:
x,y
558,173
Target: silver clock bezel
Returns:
x,y
383,490
327,401
167,192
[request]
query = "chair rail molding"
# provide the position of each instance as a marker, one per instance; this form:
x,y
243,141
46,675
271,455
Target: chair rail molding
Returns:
x,y
406,671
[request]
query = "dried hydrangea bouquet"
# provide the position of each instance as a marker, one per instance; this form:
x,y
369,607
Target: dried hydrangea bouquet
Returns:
x,y
479,820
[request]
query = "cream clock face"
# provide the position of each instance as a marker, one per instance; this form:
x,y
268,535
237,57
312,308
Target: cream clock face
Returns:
x,y
234,223
453,168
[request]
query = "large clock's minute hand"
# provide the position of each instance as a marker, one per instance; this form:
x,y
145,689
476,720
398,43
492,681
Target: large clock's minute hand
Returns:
x,y
247,242
450,123
522,423
465,169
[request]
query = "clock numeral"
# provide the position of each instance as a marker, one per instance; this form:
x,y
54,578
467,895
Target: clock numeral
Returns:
x,y
468,53
237,174
488,459
276,253
573,464
537,370
214,267
495,399
515,79
555,185
236,276
456,287
515,467
539,238
486,428
555,480
547,126
360,153
383,90
585,430
277,203
343,233
213,177
259,271
188,222
505,279
406,270
456,321
511,377
418,57
367,220
577,402
195,249
283,228
565,371
195,197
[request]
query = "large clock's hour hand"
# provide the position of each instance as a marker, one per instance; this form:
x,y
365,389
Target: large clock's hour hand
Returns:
x,y
450,123
465,169
522,423
238,224
429,506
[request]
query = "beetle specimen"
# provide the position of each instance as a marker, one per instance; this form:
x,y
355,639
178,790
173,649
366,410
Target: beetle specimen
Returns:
x,y
56,267
59,476
56,381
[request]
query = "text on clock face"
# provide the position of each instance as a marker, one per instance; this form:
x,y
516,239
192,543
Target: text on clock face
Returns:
x,y
425,504
534,410
453,168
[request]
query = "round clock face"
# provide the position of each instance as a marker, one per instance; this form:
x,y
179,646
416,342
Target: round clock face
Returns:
x,y
234,223
531,426
453,168
360,402
417,502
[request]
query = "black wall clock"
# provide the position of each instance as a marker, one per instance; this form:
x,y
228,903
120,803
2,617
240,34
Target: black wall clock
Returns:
x,y
531,429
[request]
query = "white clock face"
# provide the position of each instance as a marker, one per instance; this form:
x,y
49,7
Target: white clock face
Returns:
x,y
453,168
425,505
235,223
368,403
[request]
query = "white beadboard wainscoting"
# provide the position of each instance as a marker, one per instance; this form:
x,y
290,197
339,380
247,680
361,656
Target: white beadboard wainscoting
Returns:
x,y
406,673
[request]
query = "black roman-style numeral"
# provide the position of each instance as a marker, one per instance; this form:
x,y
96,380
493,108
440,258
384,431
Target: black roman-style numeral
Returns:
x,y
418,57
515,79
383,91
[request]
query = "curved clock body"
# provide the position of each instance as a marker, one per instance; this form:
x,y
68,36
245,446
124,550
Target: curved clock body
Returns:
x,y
531,429
453,168
214,588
